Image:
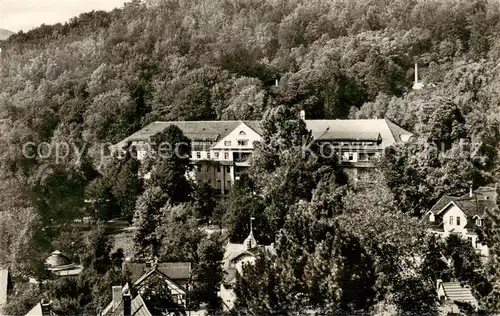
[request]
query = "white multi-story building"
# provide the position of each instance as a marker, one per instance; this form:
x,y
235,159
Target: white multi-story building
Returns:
x,y
462,215
221,150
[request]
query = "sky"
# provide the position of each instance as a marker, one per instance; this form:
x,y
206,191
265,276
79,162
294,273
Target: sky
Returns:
x,y
16,15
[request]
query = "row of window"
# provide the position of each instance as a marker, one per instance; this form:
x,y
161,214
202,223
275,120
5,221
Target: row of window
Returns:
x,y
216,154
219,169
340,144
227,143
474,244
478,221
218,184
458,220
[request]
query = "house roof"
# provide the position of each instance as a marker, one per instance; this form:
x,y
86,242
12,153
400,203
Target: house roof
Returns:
x,y
157,270
41,309
194,130
482,199
173,270
109,309
441,203
366,129
456,292
389,132
367,136
138,308
229,275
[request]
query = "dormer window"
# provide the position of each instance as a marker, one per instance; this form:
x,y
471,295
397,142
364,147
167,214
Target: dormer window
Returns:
x,y
432,218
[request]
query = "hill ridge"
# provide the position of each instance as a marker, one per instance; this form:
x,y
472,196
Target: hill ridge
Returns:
x,y
4,34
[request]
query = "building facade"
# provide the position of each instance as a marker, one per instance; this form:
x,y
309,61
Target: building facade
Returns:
x,y
462,215
221,150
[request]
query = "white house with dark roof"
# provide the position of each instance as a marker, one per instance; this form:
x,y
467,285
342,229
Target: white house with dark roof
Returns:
x,y
222,149
462,215
236,256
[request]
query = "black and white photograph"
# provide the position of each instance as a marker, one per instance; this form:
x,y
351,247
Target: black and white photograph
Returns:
x,y
249,157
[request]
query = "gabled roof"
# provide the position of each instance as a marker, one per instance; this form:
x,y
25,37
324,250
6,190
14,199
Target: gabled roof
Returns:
x,y
174,270
194,130
4,285
173,285
441,203
458,293
138,308
109,309
389,132
41,309
482,199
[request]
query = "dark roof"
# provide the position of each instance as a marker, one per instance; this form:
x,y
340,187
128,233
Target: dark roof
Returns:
x,y
389,132
156,270
138,308
482,199
359,136
443,201
194,130
470,225
371,129
173,270
229,275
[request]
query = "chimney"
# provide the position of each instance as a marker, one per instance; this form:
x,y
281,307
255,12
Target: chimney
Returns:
x,y
117,296
438,282
302,114
127,304
470,191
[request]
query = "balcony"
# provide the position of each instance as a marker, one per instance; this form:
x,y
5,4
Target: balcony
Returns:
x,y
242,159
358,164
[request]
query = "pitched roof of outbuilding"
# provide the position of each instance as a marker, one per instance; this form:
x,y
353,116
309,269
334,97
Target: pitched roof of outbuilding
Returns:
x,y
456,292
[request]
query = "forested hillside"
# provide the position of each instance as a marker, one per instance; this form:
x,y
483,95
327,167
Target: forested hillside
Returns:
x,y
104,75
